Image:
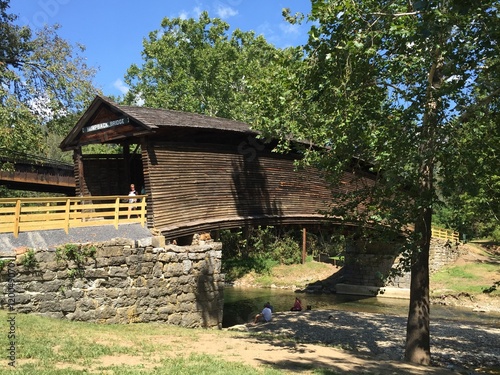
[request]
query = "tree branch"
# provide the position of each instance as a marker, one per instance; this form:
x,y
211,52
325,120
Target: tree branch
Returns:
x,y
464,117
396,14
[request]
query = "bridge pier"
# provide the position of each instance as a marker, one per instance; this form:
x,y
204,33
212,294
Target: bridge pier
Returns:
x,y
366,267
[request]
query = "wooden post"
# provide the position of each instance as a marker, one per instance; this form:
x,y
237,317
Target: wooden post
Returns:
x,y
304,246
117,212
143,211
17,218
126,161
66,215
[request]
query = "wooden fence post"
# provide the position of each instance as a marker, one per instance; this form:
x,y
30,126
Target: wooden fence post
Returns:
x,y
117,212
17,218
304,245
66,216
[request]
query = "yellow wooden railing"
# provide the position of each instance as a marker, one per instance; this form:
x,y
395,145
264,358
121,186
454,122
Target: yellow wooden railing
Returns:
x,y
29,214
446,234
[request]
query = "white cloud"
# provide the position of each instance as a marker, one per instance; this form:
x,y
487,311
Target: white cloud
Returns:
x,y
120,85
287,28
197,11
225,12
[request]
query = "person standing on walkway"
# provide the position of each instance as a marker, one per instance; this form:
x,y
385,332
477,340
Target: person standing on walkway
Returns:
x,y
132,193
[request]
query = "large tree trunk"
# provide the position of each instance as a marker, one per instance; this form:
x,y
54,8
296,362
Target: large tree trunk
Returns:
x,y
417,330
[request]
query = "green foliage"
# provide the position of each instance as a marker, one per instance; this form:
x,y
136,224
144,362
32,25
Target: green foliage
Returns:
x,y
77,256
332,245
44,82
3,263
457,272
29,260
495,235
258,251
287,251
233,243
262,248
408,91
195,66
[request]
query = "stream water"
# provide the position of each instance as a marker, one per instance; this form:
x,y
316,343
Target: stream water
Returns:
x,y
241,305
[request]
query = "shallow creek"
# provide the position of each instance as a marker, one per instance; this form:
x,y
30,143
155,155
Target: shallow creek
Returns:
x,y
241,305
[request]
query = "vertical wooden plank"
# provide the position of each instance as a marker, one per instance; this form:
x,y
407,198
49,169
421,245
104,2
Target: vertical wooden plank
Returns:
x,y
143,211
17,218
117,212
304,245
126,162
81,187
66,216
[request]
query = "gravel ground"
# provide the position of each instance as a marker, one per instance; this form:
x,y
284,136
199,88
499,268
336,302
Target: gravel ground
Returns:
x,y
460,346
48,239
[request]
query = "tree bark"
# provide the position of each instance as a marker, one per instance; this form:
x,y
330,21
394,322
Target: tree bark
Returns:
x,y
417,330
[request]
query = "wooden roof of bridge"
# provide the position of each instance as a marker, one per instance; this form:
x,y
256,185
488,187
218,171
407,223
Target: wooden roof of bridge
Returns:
x,y
143,121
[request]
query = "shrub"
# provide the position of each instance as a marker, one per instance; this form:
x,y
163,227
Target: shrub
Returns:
x,y
29,260
495,235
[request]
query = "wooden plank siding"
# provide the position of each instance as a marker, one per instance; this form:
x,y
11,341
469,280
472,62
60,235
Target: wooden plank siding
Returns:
x,y
211,186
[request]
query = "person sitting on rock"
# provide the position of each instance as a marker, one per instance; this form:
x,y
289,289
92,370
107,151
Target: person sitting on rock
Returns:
x,y
297,306
265,315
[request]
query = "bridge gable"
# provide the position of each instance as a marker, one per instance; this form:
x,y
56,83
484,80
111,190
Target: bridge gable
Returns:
x,y
104,122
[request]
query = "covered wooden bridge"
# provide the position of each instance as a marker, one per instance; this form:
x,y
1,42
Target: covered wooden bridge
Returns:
x,y
200,173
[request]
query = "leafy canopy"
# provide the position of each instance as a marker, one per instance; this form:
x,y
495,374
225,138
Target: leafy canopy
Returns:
x,y
402,88
195,66
43,80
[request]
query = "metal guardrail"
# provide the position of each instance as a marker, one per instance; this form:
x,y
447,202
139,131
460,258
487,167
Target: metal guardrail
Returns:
x,y
446,234
30,214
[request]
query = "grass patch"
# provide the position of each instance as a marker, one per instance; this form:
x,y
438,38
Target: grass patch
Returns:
x,y
53,346
297,274
472,278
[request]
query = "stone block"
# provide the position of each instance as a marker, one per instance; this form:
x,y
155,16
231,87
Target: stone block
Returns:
x,y
132,259
48,286
118,271
86,304
49,306
68,305
170,270
116,260
144,242
95,273
158,241
158,269
139,282
167,257
187,266
109,251
104,312
45,256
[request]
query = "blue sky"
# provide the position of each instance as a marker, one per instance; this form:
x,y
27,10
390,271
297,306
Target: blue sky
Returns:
x,y
113,30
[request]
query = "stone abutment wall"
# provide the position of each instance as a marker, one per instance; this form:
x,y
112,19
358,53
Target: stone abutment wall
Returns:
x,y
120,282
369,264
